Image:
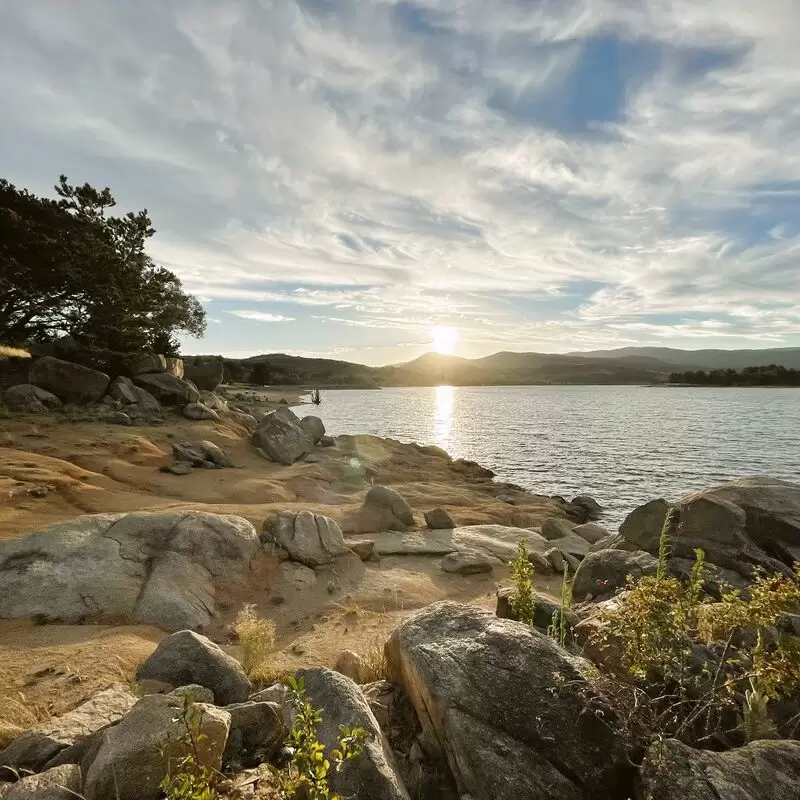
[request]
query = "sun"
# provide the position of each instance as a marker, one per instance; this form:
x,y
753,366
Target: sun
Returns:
x,y
444,339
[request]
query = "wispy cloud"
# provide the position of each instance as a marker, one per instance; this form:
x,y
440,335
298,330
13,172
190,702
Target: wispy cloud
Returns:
x,y
261,316
553,175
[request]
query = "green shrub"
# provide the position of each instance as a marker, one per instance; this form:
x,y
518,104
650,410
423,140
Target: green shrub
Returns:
x,y
306,775
522,572
655,628
559,627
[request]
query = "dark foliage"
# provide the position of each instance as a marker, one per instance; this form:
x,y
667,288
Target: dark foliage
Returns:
x,y
67,267
772,375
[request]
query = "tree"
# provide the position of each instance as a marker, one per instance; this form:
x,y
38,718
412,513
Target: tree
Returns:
x,y
68,267
259,375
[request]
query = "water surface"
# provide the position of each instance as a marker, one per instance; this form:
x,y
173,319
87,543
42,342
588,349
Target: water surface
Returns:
x,y
624,445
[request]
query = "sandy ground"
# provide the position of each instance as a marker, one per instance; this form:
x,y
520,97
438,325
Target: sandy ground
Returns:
x,y
57,467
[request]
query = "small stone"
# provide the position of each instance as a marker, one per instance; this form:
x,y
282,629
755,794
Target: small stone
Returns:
x,y
439,519
363,548
466,562
327,441
177,469
120,418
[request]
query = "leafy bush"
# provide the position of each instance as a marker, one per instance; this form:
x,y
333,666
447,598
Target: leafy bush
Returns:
x,y
307,773
257,638
656,628
522,572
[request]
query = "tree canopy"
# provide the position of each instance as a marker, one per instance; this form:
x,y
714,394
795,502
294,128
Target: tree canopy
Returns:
x,y
68,267
771,375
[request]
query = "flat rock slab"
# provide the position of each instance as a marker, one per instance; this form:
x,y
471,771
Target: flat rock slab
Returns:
x,y
413,544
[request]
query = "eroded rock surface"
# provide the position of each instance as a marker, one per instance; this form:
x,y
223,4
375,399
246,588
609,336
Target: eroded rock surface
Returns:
x,y
148,567
515,716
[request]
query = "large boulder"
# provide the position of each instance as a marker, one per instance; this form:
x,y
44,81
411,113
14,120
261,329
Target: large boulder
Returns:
x,y
763,770
516,716
187,657
257,733
281,440
557,528
604,572
31,399
384,509
198,411
167,389
132,398
147,363
591,531
174,366
592,508
741,526
157,568
59,783
72,383
314,427
311,539
205,372
38,746
134,756
374,775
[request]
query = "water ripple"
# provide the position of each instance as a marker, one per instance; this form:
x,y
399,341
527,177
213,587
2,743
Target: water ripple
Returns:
x,y
623,445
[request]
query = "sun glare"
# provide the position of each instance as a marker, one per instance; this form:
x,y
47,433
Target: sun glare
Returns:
x,y
444,339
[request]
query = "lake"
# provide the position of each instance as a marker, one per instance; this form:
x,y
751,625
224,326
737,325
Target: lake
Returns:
x,y
624,445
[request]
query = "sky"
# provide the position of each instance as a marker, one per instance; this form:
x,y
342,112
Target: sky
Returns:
x,y
373,179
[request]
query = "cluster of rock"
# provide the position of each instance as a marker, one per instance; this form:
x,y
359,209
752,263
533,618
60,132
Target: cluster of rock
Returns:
x,y
475,707
283,437
152,381
743,526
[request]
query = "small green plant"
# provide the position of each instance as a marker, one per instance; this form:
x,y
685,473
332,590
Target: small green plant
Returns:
x,y
257,639
308,771
522,572
559,627
187,778
756,721
687,693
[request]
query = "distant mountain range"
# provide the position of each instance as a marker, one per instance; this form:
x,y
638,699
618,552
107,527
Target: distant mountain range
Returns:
x,y
627,365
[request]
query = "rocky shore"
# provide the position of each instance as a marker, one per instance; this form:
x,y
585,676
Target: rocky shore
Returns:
x,y
128,550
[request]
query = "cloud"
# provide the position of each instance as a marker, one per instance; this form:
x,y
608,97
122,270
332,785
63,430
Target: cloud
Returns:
x,y
261,316
553,175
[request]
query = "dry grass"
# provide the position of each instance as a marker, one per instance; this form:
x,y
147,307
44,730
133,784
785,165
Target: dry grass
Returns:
x,y
257,639
373,664
7,352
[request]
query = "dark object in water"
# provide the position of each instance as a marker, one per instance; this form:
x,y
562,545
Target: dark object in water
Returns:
x,y
316,399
